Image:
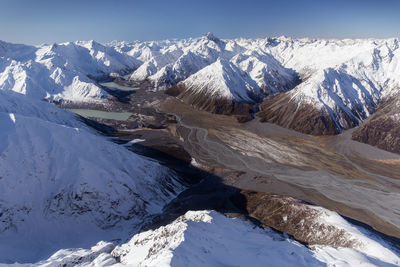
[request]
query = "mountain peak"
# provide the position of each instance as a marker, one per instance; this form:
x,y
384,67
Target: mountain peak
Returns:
x,y
210,36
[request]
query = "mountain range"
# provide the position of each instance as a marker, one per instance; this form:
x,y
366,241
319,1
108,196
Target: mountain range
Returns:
x,y
61,181
314,86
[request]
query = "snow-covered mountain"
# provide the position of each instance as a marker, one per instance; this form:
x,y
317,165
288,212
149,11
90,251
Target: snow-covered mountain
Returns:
x,y
61,183
226,85
319,86
60,71
343,81
208,238
315,86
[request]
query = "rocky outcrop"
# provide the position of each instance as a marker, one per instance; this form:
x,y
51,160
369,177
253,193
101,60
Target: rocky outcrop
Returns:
x,y
382,129
306,118
219,105
303,221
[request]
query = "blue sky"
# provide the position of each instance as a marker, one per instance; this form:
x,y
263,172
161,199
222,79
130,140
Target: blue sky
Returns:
x,y
45,21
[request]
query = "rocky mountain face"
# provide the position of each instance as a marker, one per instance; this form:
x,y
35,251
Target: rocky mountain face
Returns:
x,y
342,83
383,127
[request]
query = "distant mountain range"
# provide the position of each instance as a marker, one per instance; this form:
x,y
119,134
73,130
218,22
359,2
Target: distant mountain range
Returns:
x,y
314,86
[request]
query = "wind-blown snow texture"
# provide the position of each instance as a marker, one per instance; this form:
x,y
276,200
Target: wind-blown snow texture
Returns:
x,y
344,78
207,238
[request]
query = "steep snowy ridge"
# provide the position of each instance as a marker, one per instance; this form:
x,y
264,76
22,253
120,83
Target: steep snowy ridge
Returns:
x,y
172,63
266,71
224,80
207,238
51,179
198,57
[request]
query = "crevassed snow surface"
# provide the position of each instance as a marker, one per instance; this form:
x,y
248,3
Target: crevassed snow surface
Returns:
x,y
208,238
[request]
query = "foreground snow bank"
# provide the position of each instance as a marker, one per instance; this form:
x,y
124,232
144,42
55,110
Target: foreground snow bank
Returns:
x,y
208,238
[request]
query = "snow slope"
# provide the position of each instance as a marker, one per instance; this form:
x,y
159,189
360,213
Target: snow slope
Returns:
x,y
11,102
207,238
224,80
63,185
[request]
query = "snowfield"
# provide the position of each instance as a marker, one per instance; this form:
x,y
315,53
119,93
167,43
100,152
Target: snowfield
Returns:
x,y
208,238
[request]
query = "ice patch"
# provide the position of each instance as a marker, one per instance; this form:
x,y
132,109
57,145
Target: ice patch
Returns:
x,y
12,117
134,141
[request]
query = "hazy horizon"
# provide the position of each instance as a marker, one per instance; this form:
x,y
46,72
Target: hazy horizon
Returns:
x,y
44,21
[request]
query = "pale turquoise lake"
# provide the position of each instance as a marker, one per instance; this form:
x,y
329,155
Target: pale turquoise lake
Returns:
x,y
91,113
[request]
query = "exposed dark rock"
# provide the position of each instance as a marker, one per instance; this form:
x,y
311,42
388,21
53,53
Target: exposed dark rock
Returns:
x,y
295,218
382,129
282,110
242,110
175,151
